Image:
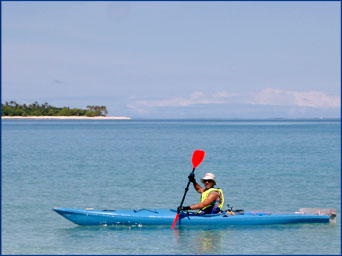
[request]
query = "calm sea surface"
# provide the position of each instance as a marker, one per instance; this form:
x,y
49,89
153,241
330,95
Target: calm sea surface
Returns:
x,y
277,166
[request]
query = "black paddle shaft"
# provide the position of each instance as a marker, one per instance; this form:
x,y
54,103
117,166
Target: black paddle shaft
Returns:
x,y
186,191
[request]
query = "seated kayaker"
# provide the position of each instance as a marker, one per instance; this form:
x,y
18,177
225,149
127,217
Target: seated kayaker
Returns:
x,y
212,199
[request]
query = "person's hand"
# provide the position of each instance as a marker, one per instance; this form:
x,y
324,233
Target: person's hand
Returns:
x,y
191,178
183,208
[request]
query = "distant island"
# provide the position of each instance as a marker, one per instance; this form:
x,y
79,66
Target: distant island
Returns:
x,y
14,110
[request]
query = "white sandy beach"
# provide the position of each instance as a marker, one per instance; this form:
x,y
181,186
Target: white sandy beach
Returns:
x,y
69,117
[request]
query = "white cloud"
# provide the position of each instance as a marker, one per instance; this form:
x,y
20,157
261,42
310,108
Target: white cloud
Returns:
x,y
195,98
277,97
290,103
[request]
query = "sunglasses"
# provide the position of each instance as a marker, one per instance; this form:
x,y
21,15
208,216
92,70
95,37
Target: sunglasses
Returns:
x,y
204,181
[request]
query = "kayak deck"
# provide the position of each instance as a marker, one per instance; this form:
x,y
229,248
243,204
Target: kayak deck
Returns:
x,y
166,216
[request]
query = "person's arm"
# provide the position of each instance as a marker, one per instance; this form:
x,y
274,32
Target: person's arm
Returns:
x,y
197,186
211,198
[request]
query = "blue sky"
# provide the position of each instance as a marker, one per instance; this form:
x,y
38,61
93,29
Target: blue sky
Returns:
x,y
175,59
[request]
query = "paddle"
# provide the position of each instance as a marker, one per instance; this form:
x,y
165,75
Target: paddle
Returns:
x,y
197,158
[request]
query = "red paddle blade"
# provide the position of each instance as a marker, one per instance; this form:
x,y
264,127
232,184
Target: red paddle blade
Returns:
x,y
175,221
197,157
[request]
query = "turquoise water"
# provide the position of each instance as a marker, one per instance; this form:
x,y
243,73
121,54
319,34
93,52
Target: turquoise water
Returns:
x,y
277,166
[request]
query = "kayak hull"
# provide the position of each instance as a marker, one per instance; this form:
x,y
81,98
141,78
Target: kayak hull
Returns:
x,y
166,216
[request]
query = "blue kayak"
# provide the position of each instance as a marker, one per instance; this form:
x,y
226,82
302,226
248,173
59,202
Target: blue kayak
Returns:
x,y
166,216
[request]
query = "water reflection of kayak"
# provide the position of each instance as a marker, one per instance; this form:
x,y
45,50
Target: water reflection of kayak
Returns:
x,y
166,216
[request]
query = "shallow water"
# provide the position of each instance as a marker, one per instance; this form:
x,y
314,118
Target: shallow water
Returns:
x,y
277,166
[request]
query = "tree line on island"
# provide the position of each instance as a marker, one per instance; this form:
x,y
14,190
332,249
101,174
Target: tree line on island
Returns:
x,y
14,109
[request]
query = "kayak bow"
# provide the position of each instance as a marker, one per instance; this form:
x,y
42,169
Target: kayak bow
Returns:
x,y
166,216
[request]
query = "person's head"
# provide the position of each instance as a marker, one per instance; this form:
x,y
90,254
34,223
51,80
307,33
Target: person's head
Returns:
x,y
209,180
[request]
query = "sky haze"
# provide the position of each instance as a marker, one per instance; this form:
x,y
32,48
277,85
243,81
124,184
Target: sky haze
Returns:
x,y
175,59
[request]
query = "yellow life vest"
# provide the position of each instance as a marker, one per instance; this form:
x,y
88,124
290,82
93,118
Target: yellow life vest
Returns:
x,y
206,193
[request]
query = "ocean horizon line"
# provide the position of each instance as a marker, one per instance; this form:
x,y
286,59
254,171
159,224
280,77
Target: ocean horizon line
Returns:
x,y
68,117
277,119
